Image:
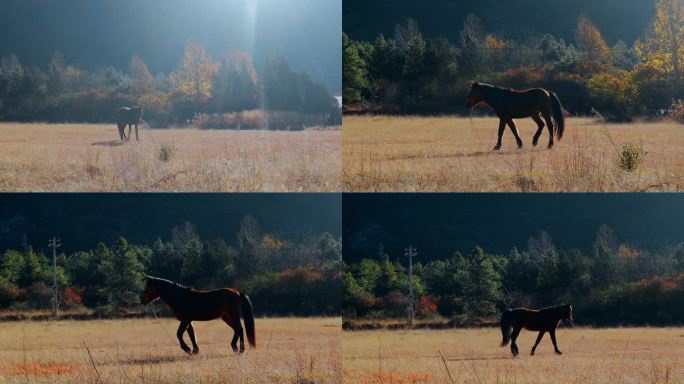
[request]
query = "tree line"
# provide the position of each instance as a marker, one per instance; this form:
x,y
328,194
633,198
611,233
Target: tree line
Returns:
x,y
409,73
282,276
617,283
199,88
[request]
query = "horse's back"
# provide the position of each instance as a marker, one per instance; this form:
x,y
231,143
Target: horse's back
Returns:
x,y
207,305
129,114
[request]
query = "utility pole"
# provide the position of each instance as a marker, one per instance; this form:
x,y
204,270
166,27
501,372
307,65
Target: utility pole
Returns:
x,y
54,243
410,252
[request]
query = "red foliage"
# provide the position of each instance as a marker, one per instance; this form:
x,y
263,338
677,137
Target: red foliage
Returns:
x,y
427,305
71,296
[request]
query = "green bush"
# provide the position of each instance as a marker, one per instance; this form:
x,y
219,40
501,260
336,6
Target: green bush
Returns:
x,y
631,157
165,152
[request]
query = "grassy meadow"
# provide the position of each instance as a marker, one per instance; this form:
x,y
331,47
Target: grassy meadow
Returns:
x,y
89,157
618,355
289,350
410,154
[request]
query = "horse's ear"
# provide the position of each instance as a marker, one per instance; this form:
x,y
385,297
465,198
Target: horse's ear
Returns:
x,y
475,84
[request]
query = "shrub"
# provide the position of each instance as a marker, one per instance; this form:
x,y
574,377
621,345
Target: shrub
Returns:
x,y
612,92
257,119
631,157
156,109
165,152
677,111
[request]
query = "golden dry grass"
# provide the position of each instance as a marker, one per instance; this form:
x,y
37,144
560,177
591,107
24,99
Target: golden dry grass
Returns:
x,y
81,157
409,154
619,355
289,350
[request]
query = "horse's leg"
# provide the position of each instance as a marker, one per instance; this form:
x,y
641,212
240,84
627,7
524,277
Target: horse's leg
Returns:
x,y
238,333
514,336
539,337
181,329
502,126
121,130
515,133
191,333
540,127
549,125
136,132
129,131
553,340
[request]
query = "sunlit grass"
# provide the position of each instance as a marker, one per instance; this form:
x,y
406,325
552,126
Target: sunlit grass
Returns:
x,y
386,153
621,355
289,350
82,157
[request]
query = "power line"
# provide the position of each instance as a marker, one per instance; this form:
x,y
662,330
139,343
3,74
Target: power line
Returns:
x,y
410,252
54,243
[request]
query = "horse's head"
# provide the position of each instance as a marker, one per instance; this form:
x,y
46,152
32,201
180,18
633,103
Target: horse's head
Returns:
x,y
151,292
475,96
138,112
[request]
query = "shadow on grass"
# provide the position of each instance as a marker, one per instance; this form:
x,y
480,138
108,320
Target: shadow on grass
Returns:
x,y
153,360
480,358
110,143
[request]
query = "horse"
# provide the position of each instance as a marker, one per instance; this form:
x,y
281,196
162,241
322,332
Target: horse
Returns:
x,y
542,320
128,116
190,305
512,104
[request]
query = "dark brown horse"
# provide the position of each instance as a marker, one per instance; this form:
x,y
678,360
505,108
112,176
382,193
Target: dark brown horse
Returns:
x,y
512,104
131,116
542,320
189,305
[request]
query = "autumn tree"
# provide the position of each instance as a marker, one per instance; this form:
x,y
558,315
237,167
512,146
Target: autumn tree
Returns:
x,y
193,77
593,49
142,79
663,45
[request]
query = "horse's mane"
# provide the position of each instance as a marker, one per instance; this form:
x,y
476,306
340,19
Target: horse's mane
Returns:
x,y
555,308
494,87
167,282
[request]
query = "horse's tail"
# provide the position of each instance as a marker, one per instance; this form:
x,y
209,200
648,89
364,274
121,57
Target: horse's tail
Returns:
x,y
506,327
248,316
557,110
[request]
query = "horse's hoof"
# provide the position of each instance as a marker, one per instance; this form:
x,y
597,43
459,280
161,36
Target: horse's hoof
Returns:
x,y
559,353
532,353
195,351
498,147
187,350
550,146
520,146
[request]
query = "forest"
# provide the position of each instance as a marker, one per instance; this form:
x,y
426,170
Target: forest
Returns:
x,y
410,72
616,283
283,276
220,93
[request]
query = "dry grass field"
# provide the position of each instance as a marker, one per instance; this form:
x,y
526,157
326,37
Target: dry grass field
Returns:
x,y
79,157
289,350
385,153
619,355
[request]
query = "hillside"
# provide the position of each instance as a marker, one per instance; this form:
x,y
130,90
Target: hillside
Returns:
x,y
366,19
